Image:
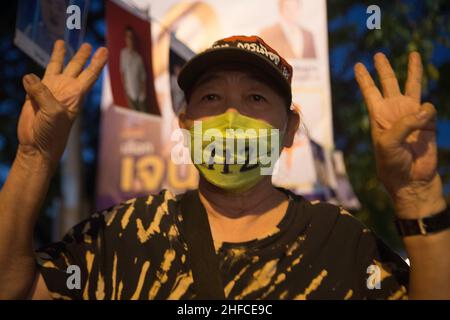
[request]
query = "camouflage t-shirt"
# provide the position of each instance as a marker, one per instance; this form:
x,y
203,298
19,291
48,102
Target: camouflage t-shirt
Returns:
x,y
136,250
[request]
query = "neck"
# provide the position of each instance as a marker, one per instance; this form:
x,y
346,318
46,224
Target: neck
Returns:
x,y
259,199
238,217
289,26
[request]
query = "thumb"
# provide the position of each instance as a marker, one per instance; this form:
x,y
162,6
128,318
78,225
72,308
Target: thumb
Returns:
x,y
421,120
40,93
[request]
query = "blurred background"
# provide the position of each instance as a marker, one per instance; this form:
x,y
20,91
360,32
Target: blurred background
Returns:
x,y
422,25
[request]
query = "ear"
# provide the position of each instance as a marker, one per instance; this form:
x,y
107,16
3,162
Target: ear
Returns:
x,y
292,127
182,120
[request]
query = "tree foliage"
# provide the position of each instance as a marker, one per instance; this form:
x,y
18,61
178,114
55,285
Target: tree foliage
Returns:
x,y
406,26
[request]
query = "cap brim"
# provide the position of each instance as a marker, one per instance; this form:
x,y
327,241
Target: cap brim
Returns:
x,y
199,64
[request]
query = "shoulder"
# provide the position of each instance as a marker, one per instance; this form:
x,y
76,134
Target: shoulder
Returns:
x,y
341,227
306,32
326,220
270,31
138,212
328,212
145,208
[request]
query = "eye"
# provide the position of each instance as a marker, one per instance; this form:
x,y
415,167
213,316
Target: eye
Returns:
x,y
257,98
210,97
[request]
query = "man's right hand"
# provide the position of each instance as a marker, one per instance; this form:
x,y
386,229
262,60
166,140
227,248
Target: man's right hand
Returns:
x,y
52,104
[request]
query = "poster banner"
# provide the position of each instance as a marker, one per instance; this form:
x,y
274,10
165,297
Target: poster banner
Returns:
x,y
180,28
134,156
41,22
130,66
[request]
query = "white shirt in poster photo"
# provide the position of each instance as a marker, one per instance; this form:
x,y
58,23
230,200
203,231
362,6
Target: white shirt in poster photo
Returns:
x,y
133,70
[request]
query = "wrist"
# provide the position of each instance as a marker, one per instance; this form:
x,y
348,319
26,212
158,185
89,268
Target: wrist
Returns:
x,y
419,200
32,160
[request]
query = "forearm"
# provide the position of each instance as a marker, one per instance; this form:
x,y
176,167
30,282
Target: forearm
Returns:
x,y
430,265
20,201
429,254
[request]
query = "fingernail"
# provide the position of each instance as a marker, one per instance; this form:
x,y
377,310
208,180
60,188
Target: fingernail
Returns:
x,y
34,78
30,78
101,51
422,115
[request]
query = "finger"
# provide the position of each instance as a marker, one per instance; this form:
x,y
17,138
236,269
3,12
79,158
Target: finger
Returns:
x,y
413,82
424,119
367,86
78,61
388,80
91,73
56,59
39,93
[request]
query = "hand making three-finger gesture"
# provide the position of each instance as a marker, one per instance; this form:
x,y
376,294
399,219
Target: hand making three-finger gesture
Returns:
x,y
53,103
404,137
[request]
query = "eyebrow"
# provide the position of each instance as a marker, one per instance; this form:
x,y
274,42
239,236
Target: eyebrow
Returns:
x,y
206,79
261,80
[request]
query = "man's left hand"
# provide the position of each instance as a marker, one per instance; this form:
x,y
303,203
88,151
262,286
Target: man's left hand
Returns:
x,y
404,138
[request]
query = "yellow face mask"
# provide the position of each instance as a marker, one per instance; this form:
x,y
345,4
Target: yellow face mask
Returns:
x,y
234,152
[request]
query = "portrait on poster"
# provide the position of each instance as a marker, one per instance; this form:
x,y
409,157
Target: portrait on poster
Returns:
x,y
129,42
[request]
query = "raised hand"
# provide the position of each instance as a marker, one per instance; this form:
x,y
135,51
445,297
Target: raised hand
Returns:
x,y
403,135
52,104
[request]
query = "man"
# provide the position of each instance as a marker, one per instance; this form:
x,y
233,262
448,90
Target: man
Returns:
x,y
291,39
132,71
270,244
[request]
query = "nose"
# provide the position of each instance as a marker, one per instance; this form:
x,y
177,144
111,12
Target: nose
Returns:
x,y
232,109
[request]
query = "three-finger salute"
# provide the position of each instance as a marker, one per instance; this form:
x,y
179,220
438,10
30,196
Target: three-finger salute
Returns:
x,y
53,103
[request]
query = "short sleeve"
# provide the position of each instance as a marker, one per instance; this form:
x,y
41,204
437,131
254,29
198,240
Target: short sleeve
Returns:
x,y
74,254
384,275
